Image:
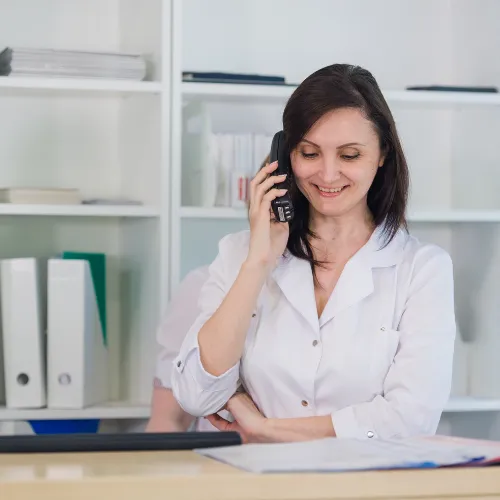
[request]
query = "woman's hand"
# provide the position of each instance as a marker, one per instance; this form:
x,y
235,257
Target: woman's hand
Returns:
x,y
268,238
248,421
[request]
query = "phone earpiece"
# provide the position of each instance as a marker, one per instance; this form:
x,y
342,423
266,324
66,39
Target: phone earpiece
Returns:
x,y
282,206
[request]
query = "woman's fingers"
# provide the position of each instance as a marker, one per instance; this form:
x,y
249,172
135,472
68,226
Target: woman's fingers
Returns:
x,y
272,195
266,185
261,176
218,422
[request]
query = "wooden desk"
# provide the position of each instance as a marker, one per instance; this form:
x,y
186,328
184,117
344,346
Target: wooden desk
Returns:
x,y
187,476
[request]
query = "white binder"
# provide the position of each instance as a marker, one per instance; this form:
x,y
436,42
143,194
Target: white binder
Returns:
x,y
77,356
23,335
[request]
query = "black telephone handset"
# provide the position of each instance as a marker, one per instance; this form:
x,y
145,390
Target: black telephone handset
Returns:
x,y
282,206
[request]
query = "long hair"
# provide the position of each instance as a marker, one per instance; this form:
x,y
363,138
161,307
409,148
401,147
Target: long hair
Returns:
x,y
346,86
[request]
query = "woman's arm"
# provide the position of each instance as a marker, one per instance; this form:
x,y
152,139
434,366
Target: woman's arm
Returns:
x,y
222,337
206,370
166,414
254,427
278,430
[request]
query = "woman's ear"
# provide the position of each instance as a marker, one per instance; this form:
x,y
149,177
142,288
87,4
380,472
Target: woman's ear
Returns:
x,y
383,155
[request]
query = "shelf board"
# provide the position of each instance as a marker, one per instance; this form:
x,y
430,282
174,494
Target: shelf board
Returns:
x,y
471,404
116,410
247,92
445,215
79,210
416,216
121,410
20,85
213,213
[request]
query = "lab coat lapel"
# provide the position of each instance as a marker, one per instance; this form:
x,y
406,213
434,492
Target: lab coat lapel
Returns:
x,y
356,281
294,278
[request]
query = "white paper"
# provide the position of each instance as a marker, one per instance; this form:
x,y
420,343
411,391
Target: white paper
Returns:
x,y
334,455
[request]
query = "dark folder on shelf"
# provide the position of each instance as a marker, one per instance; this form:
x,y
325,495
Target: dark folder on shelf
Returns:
x,y
220,77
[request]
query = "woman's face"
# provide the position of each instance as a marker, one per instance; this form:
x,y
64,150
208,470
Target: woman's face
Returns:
x,y
336,162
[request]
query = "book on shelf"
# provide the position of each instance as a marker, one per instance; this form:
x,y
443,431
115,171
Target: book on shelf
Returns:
x,y
221,77
46,62
454,88
112,202
40,196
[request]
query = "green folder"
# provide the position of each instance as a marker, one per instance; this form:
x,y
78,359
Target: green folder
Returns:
x,y
97,263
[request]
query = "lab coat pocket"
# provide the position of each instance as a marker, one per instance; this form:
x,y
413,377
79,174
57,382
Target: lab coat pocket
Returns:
x,y
385,342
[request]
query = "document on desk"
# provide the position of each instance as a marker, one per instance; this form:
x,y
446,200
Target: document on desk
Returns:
x,y
337,455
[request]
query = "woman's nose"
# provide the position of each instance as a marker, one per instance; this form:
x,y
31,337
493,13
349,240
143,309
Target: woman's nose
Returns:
x,y
331,170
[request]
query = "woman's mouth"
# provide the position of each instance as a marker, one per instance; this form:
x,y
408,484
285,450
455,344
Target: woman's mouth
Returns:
x,y
330,192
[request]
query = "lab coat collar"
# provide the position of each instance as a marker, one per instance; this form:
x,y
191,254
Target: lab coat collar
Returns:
x,y
294,277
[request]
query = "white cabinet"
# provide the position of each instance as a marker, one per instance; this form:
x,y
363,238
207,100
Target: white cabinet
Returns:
x,y
109,139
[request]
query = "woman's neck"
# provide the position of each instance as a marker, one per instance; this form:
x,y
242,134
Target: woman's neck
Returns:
x,y
344,234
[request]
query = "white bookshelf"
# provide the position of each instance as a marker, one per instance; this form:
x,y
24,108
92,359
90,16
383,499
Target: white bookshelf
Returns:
x,y
124,139
108,139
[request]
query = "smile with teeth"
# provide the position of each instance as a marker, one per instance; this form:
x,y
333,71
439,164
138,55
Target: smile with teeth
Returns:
x,y
330,190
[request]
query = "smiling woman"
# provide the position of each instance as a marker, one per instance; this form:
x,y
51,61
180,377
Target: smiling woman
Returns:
x,y
338,323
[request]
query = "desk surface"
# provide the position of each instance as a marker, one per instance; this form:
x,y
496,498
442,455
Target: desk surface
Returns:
x,y
177,475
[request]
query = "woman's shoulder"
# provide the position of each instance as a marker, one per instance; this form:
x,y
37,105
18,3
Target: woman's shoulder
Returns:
x,y
420,255
233,250
235,245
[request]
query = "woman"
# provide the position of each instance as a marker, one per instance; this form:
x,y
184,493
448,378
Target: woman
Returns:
x,y
341,323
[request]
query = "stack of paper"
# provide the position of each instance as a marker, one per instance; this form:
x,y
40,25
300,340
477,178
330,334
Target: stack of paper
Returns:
x,y
71,63
335,455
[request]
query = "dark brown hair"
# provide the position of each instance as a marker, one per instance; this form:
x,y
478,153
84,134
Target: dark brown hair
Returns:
x,y
346,86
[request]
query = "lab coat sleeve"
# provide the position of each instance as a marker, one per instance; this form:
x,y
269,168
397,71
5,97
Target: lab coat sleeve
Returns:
x,y
418,384
198,392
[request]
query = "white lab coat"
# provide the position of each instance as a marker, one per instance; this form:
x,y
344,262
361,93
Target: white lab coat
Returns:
x,y
378,360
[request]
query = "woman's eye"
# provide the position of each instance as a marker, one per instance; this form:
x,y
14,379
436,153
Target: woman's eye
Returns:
x,y
350,157
309,156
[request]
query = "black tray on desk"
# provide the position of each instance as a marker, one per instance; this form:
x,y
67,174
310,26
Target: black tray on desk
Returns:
x,y
61,443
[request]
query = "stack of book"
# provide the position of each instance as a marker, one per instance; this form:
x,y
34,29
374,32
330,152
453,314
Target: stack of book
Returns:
x,y
71,64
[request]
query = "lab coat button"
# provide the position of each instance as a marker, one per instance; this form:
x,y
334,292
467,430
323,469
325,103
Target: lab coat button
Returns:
x,y
382,328
179,363
370,434
305,403
315,343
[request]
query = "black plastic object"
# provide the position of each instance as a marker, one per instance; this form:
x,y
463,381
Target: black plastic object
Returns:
x,y
282,206
61,443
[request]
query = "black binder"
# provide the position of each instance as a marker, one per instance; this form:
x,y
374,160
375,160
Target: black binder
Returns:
x,y
62,443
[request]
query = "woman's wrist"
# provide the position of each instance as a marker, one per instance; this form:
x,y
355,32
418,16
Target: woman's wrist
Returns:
x,y
255,267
